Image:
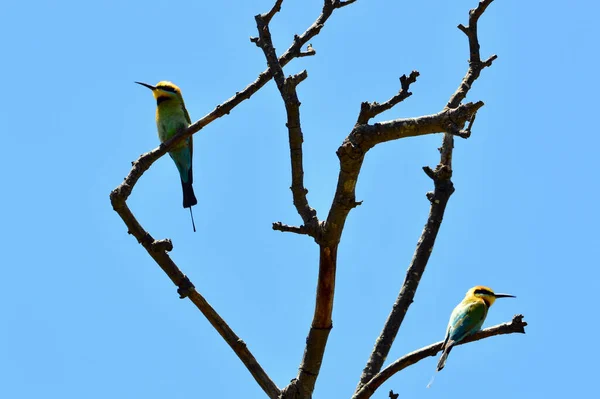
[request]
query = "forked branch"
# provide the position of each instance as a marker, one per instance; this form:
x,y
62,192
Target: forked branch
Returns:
x,y
438,198
304,384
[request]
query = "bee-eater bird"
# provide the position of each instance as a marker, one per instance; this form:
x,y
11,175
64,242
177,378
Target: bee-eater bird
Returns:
x,y
171,118
467,318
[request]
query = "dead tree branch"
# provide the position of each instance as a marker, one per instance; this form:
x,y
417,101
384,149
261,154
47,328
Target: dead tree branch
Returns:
x,y
370,110
304,384
517,325
158,249
443,189
450,120
287,88
363,137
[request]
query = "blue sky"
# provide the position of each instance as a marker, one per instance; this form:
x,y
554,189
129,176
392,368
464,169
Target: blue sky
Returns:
x,y
87,314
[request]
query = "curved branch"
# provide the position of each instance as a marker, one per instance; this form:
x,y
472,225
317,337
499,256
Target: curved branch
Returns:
x,y
516,325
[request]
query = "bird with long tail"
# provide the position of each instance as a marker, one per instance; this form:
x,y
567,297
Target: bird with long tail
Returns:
x,y
467,318
171,118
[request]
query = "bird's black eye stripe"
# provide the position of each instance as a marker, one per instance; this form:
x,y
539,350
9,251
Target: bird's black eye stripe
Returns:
x,y
166,88
484,292
161,99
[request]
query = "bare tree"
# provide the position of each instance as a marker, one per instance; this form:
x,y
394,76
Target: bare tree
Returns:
x,y
450,120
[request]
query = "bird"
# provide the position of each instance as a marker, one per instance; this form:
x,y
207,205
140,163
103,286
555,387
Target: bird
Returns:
x,y
171,118
467,318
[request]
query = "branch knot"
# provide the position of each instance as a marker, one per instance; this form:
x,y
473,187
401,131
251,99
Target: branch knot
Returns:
x,y
185,287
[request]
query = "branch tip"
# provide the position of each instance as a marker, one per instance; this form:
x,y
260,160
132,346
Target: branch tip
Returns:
x,y
309,51
284,228
405,82
429,172
268,16
369,110
488,62
340,4
463,29
295,80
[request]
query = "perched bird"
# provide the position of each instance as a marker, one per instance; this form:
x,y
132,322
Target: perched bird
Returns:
x,y
171,118
467,318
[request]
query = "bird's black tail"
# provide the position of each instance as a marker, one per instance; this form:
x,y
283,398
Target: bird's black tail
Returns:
x,y
445,353
189,198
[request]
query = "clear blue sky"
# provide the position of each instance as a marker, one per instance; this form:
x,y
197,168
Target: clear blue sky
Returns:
x,y
87,314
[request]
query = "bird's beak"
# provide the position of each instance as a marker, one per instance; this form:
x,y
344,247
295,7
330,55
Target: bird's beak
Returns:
x,y
147,85
504,296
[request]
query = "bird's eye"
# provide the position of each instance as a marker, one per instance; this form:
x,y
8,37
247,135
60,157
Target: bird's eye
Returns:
x,y
483,292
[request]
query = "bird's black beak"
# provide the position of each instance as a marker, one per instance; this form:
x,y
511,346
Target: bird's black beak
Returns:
x,y
504,296
147,85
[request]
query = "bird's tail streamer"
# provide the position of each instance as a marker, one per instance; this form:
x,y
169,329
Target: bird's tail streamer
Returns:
x,y
192,216
431,381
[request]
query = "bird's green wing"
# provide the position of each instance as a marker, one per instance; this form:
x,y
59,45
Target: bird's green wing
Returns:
x,y
187,116
190,140
466,319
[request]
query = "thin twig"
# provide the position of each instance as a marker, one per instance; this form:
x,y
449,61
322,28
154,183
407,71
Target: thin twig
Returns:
x,y
276,8
340,4
370,110
290,229
516,325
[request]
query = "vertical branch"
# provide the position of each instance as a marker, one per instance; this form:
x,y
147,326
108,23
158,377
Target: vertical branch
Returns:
x,y
304,385
287,89
321,324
